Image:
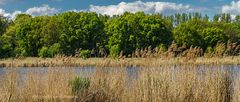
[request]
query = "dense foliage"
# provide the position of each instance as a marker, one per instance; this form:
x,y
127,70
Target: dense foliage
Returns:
x,y
101,35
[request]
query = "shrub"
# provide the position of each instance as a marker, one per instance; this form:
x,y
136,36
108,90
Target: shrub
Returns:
x,y
209,52
21,52
85,54
43,52
54,50
79,84
114,51
162,47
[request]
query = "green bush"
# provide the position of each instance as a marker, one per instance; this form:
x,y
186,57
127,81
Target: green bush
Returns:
x,y
43,52
85,54
79,84
54,50
209,49
162,47
114,51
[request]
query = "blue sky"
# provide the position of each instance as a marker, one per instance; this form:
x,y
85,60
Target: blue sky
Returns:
x,y
10,8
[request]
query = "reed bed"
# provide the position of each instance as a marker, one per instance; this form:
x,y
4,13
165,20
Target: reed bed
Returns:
x,y
222,54
168,83
121,62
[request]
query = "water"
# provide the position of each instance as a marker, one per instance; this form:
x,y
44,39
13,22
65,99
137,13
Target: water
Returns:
x,y
131,72
22,72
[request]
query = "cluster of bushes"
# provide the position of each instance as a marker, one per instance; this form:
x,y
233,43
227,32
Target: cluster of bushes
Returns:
x,y
101,35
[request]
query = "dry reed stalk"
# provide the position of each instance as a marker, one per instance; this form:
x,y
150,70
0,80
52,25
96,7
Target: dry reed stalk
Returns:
x,y
168,83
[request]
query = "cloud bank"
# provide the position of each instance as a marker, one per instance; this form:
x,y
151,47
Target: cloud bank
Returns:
x,y
43,10
34,11
233,8
147,7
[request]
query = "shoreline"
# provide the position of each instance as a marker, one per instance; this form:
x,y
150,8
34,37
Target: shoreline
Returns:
x,y
108,62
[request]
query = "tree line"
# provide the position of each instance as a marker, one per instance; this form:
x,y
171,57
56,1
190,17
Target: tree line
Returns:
x,y
71,32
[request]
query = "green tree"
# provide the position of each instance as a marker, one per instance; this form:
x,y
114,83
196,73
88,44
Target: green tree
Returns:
x,y
4,22
135,31
80,30
212,36
4,47
189,33
216,18
50,30
28,35
10,38
237,18
8,42
65,33
231,30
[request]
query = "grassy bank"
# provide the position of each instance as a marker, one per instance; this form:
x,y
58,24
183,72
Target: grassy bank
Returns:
x,y
108,62
151,85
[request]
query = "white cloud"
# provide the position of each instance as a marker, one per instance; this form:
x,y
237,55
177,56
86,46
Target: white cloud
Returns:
x,y
233,8
3,13
75,10
9,15
15,13
147,7
43,10
35,11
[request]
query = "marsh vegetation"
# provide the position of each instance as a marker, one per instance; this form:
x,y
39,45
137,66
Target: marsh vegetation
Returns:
x,y
168,83
134,57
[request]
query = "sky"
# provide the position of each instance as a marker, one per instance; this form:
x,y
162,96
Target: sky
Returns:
x,y
10,8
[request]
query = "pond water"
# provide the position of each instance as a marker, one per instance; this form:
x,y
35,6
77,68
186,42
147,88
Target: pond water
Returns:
x,y
131,72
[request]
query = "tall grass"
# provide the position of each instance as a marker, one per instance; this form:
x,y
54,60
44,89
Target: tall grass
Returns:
x,y
147,57
121,62
182,83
